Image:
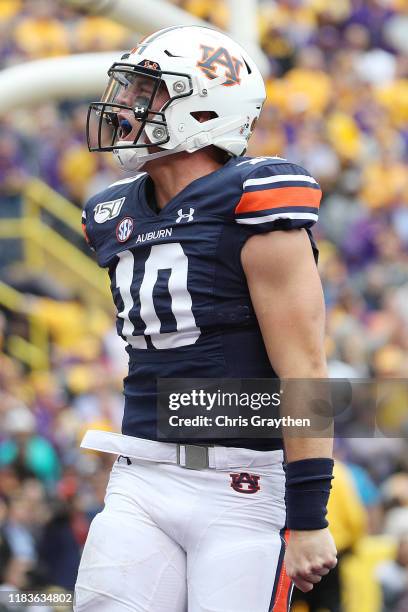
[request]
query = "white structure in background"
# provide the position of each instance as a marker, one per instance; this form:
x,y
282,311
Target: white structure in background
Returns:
x,y
57,78
243,27
84,75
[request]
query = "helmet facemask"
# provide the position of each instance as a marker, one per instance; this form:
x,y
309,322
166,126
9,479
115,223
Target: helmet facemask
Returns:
x,y
131,113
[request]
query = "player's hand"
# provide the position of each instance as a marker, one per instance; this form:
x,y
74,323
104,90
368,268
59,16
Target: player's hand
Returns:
x,y
309,556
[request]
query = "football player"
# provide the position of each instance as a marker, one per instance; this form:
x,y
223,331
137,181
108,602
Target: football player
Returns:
x,y
213,274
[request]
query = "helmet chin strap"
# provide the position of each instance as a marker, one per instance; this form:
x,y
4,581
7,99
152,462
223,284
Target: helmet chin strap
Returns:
x,y
133,159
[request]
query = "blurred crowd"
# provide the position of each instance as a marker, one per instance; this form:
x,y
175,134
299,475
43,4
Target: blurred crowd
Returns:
x,y
338,105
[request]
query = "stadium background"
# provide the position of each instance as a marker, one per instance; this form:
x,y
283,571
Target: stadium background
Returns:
x,y
337,104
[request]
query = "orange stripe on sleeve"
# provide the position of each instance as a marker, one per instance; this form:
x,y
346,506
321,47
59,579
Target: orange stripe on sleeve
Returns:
x,y
284,584
85,233
278,198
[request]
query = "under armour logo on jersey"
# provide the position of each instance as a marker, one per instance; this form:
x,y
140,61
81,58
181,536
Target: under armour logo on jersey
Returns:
x,y
105,211
245,483
213,58
188,216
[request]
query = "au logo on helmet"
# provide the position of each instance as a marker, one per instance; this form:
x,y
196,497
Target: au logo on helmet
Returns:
x,y
214,58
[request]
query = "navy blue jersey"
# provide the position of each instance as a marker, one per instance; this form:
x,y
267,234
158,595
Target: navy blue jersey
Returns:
x,y
183,304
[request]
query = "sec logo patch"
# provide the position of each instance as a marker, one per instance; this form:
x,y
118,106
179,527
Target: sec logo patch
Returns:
x,y
124,229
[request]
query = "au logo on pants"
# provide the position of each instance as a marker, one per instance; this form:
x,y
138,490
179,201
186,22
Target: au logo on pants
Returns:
x,y
245,483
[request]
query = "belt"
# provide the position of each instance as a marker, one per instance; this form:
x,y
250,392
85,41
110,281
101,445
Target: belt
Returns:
x,y
189,456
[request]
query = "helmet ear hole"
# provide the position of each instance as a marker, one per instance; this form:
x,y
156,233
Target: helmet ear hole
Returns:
x,y
203,116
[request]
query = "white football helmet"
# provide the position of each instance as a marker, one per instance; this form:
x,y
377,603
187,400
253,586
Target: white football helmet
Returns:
x,y
181,89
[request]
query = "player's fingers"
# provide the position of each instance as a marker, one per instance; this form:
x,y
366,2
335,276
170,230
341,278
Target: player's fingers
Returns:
x,y
302,585
320,571
313,578
330,563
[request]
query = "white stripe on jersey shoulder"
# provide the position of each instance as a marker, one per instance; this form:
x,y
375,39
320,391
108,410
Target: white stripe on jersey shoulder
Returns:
x,y
128,180
257,160
274,217
280,178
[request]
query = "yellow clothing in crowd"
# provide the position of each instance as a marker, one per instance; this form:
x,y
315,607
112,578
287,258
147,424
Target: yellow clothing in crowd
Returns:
x,y
348,521
394,97
71,325
346,513
77,166
216,11
344,135
41,37
362,592
293,92
383,183
99,34
9,8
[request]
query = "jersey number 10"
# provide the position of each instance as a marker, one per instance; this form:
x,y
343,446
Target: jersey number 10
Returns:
x,y
162,257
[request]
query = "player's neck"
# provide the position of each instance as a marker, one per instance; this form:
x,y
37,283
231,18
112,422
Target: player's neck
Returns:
x,y
172,174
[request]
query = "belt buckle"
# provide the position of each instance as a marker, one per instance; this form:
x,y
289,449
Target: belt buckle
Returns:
x,y
196,457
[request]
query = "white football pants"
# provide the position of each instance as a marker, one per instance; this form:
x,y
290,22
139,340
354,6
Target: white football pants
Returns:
x,y
170,539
